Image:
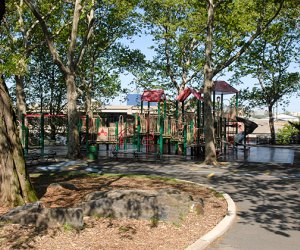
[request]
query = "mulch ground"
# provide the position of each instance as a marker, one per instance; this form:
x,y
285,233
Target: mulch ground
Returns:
x,y
110,233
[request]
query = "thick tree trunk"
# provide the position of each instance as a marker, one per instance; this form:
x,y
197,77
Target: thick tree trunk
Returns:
x,y
210,149
271,124
73,133
15,185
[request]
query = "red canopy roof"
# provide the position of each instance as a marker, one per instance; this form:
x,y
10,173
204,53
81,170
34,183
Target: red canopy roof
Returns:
x,y
185,94
153,95
222,87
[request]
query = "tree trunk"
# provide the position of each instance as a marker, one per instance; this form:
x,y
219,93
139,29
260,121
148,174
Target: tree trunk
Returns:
x,y
73,133
88,103
21,103
15,185
210,149
20,95
271,124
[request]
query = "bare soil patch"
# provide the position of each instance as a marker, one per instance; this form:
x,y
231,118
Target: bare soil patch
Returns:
x,y
111,233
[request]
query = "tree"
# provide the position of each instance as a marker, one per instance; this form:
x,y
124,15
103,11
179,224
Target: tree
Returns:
x,y
44,84
69,68
268,61
20,38
233,26
100,73
177,29
15,185
82,16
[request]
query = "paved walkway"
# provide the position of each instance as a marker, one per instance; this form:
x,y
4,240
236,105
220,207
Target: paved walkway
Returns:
x,y
266,194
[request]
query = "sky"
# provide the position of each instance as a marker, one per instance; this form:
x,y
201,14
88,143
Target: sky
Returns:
x,y
144,42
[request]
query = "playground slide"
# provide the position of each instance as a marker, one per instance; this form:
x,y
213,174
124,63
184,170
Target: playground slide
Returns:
x,y
249,126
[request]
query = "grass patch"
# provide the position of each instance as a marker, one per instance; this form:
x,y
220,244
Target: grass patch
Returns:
x,y
68,228
217,194
154,221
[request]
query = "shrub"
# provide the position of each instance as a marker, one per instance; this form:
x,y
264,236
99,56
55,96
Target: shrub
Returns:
x,y
286,134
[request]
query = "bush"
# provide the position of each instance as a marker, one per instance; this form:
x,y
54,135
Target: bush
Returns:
x,y
287,134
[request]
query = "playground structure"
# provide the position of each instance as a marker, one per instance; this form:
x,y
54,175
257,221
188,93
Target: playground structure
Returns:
x,y
166,128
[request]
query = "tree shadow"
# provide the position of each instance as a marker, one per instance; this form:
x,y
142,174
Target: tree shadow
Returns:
x,y
273,201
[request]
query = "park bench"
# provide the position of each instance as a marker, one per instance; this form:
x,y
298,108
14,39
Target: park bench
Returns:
x,y
115,152
134,153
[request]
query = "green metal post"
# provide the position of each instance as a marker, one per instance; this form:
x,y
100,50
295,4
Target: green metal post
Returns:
x,y
164,118
148,119
158,117
161,139
222,103
198,121
125,138
87,121
182,111
42,136
177,116
184,130
97,124
139,135
192,131
117,136
26,140
221,122
184,139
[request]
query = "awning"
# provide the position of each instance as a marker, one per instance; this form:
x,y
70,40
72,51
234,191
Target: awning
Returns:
x,y
153,95
186,93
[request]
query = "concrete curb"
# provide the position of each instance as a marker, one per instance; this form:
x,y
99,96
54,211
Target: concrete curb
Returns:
x,y
219,229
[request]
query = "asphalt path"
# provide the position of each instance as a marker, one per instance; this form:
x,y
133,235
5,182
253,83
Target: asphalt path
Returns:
x,y
266,195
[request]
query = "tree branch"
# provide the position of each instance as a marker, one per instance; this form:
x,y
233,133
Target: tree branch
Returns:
x,y
74,33
91,20
245,47
169,71
48,37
